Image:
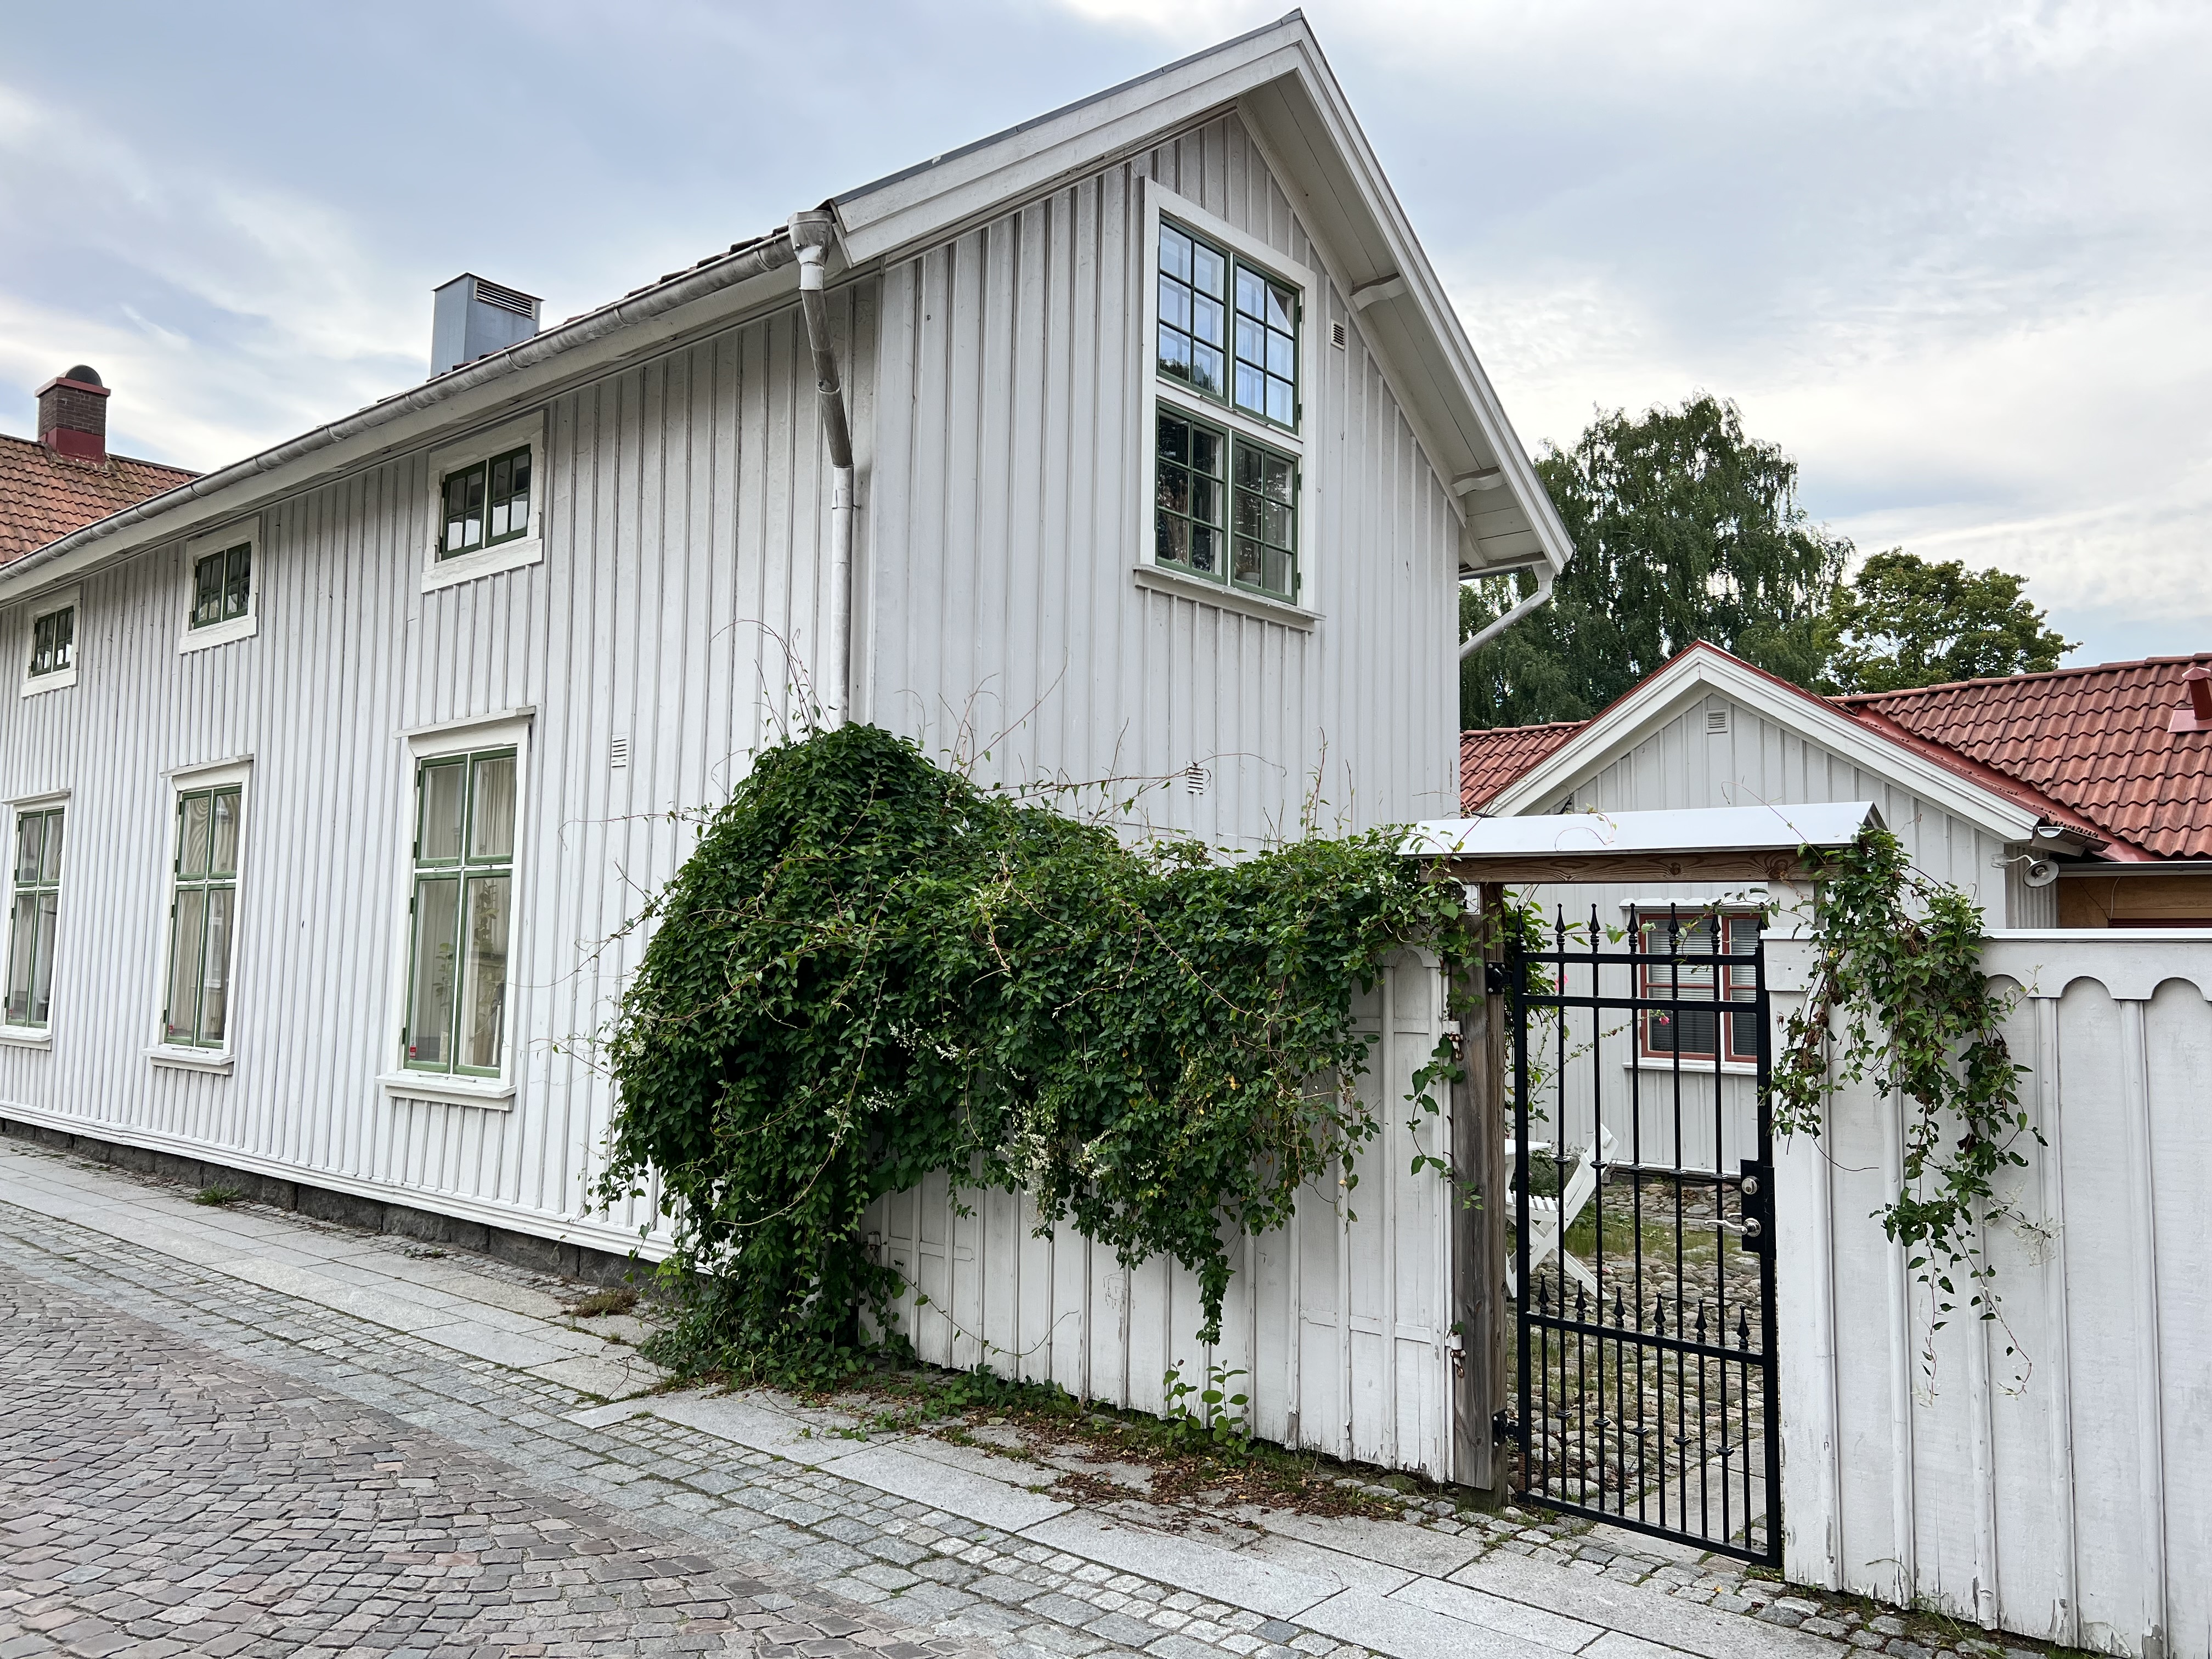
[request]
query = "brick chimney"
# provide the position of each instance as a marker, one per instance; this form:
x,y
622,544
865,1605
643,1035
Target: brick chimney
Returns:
x,y
73,415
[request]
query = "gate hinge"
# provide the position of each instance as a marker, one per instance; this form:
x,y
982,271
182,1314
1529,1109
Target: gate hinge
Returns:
x,y
1503,1428
1495,979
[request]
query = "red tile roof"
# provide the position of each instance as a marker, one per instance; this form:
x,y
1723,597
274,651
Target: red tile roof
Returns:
x,y
2094,738
1490,759
44,495
2085,747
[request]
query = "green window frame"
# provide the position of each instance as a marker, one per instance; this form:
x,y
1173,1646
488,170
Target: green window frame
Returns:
x,y
222,585
1228,329
202,917
1226,507
461,913
53,641
33,913
485,503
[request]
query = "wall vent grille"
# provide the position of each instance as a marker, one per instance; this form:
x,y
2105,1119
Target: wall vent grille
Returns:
x,y
1336,335
618,751
1716,722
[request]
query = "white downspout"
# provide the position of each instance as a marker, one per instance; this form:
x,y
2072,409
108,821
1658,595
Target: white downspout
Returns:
x,y
811,235
1491,630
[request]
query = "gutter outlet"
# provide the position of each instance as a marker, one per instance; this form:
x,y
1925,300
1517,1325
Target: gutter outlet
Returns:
x,y
1489,631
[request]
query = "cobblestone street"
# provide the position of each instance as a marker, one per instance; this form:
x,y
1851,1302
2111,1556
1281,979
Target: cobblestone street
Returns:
x,y
194,1461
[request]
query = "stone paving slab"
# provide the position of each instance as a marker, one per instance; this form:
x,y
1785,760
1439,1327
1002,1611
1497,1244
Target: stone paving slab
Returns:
x,y
947,1544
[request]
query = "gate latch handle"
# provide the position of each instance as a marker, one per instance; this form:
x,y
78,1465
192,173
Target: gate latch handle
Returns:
x,y
1754,1201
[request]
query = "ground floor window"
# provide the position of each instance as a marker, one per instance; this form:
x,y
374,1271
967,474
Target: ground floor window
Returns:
x,y
202,911
32,913
1688,940
461,913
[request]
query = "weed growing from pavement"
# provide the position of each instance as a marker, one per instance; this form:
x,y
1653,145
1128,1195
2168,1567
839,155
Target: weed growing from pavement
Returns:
x,y
1177,1463
618,1299
219,1195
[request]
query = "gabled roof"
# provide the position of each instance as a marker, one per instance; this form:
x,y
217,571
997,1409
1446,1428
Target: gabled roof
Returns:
x,y
1491,759
2094,738
2002,805
1273,78
44,495
1279,83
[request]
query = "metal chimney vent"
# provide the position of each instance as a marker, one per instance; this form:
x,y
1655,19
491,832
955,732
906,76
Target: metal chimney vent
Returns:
x,y
470,318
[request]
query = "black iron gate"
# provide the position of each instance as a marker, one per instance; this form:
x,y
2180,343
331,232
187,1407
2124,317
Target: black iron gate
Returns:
x,y
1644,1253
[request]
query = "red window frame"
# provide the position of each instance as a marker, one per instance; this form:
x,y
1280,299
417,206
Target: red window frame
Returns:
x,y
1680,977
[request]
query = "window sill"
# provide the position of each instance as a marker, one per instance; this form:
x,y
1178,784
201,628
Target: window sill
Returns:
x,y
488,1092
508,555
1692,1067
1157,580
216,1060
222,632
33,685
27,1036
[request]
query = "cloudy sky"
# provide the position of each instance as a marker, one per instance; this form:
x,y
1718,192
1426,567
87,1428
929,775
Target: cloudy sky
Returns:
x,y
1953,257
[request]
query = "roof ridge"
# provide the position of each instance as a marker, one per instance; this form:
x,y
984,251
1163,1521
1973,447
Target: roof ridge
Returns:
x,y
135,461
1856,697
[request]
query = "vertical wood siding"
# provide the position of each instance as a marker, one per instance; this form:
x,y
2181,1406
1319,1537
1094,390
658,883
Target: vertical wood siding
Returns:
x,y
1006,514
1340,1321
2056,1490
683,515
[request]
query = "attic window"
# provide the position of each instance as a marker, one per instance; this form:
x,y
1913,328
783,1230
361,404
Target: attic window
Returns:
x,y
1228,330
487,504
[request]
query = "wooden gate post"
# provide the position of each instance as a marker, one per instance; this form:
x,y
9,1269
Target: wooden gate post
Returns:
x,y
1479,1212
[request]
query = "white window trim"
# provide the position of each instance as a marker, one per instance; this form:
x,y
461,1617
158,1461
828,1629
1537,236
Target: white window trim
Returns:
x,y
182,780
238,627
1159,201
1692,1068
34,1036
525,550
61,599
508,727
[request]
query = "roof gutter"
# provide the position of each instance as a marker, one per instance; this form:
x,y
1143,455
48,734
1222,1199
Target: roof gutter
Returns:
x,y
1545,576
748,260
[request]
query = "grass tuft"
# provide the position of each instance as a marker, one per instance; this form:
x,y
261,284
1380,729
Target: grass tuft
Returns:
x,y
219,1195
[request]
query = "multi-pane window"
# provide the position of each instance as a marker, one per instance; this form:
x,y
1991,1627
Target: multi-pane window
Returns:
x,y
463,873
38,894
222,585
201,915
1227,330
1687,944
486,504
53,641
1225,507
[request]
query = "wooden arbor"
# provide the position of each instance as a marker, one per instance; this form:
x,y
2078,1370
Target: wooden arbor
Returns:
x,y
1783,845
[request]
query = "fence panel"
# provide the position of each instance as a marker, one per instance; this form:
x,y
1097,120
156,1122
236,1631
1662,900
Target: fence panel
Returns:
x,y
1340,1320
2049,1473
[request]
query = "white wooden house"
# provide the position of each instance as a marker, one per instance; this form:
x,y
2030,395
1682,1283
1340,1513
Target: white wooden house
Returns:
x,y
1155,451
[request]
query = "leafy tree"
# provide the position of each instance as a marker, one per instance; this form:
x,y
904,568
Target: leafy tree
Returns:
x,y
1684,529
1905,621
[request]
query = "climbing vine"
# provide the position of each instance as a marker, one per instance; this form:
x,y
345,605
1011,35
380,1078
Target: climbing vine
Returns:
x,y
871,968
1897,960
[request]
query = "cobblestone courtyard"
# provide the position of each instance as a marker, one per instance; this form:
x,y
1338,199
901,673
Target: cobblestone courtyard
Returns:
x,y
192,1463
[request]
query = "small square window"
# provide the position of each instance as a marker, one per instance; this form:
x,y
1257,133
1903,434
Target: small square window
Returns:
x,y
222,585
53,642
486,504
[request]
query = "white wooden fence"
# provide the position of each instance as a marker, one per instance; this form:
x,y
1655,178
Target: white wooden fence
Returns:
x,y
2062,1491
1341,1321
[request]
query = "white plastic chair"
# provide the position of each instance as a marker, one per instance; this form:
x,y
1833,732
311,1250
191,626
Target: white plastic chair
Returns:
x,y
1546,1223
